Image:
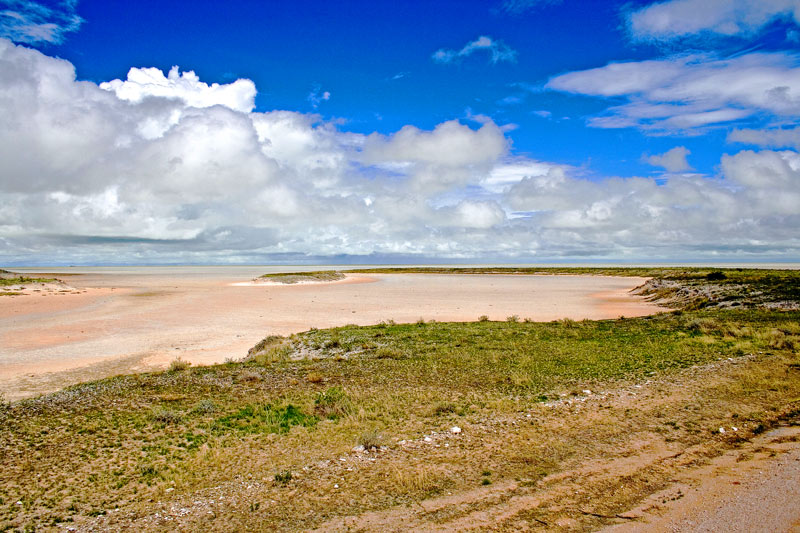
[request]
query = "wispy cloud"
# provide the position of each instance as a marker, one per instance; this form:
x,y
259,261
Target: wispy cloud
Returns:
x,y
771,138
515,7
681,18
317,96
683,93
498,51
26,21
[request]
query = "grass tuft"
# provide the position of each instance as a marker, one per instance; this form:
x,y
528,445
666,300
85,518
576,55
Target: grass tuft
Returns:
x,y
178,365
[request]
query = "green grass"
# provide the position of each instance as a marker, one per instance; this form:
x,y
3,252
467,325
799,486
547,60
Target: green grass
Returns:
x,y
297,277
21,280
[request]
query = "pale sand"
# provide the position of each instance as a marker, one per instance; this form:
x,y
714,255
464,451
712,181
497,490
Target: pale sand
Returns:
x,y
126,323
752,488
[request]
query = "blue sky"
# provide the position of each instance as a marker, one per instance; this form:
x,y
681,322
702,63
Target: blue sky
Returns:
x,y
516,130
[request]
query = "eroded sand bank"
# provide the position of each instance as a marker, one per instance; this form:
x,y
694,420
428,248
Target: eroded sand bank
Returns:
x,y
132,322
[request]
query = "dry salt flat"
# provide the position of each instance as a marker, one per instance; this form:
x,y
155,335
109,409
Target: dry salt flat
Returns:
x,y
127,320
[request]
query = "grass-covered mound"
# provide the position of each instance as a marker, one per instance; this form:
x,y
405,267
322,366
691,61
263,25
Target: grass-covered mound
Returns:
x,y
302,277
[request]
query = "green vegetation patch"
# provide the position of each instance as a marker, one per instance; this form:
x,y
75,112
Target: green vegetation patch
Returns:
x,y
264,418
21,280
299,277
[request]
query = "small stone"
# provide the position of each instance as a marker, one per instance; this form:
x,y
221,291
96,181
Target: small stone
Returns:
x,y
336,486
455,430
427,439
722,430
587,391
735,428
358,449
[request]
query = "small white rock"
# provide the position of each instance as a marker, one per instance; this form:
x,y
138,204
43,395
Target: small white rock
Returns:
x,y
336,486
587,391
427,439
358,449
455,430
722,430
735,428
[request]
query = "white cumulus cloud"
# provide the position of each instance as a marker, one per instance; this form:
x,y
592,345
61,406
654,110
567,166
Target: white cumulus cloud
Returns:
x,y
89,176
146,82
673,160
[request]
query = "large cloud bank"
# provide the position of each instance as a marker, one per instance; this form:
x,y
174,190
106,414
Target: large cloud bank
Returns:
x,y
167,168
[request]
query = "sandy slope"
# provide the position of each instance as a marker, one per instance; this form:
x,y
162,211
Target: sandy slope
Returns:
x,y
754,488
125,322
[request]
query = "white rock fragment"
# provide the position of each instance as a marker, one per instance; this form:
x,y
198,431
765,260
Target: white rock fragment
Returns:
x,y
427,439
722,430
587,391
336,486
358,449
455,430
735,428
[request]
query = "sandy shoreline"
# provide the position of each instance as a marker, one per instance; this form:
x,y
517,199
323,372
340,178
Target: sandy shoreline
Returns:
x,y
119,322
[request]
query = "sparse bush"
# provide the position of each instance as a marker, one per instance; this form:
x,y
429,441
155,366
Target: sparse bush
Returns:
x,y
283,477
512,319
370,440
716,276
167,416
266,342
567,323
332,403
444,408
388,352
778,340
248,376
420,321
315,377
177,365
334,341
204,407
483,318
